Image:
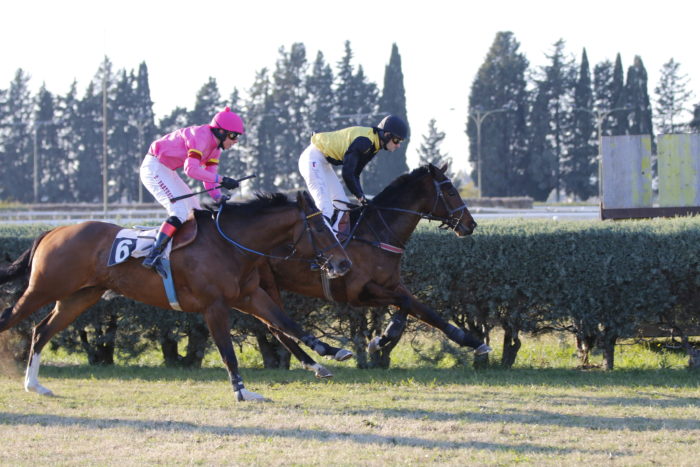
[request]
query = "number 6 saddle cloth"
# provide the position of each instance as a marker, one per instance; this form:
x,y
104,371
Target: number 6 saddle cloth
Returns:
x,y
137,242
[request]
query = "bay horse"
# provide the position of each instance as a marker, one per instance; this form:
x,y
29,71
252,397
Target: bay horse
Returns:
x,y
212,274
375,245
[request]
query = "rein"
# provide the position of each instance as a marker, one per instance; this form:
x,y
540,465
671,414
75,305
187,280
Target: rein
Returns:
x,y
450,222
320,258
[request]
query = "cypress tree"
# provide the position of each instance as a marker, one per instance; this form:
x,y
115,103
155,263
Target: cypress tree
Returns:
x,y
639,117
429,150
291,128
386,167
53,165
500,89
672,98
207,103
16,176
320,96
619,124
580,165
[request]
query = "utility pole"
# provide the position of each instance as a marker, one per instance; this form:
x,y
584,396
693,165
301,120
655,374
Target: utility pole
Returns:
x,y
478,115
104,142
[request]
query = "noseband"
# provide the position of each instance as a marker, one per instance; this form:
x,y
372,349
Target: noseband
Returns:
x,y
451,222
320,259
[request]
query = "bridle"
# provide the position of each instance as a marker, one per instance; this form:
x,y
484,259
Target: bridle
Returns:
x,y
450,222
320,259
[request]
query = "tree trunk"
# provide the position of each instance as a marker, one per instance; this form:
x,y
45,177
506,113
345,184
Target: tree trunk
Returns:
x,y
511,345
584,345
274,354
609,340
197,340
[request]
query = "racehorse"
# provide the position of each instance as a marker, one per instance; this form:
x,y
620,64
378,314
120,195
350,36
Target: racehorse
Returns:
x,y
375,245
212,273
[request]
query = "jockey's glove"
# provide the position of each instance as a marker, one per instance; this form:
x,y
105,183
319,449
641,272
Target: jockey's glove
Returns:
x,y
229,183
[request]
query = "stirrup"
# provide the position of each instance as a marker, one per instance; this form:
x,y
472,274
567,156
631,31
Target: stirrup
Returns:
x,y
150,261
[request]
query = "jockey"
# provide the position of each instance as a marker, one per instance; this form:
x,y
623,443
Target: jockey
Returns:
x,y
196,149
352,148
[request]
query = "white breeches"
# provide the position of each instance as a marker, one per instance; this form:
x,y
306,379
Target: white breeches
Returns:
x,y
322,182
164,183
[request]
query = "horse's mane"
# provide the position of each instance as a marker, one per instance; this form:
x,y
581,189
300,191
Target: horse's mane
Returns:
x,y
261,203
397,188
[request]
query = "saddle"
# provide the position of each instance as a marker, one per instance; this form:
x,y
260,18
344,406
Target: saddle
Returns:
x,y
137,242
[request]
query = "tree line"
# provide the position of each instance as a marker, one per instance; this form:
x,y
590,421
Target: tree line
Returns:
x,y
537,128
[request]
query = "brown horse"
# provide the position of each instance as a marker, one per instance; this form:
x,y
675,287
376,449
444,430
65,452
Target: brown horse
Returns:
x,y
211,274
376,243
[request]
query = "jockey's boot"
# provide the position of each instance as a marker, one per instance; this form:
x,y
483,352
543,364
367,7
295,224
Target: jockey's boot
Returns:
x,y
165,233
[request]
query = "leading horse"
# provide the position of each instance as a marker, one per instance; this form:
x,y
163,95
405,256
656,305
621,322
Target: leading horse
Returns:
x,y
68,265
375,246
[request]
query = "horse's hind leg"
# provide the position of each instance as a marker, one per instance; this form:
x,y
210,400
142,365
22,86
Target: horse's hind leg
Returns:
x,y
64,312
306,361
391,334
260,305
219,324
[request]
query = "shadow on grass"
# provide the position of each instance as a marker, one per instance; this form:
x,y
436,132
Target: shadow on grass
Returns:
x,y
301,434
395,376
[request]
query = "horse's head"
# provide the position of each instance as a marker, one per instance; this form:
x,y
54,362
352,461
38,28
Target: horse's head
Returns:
x,y
449,206
319,240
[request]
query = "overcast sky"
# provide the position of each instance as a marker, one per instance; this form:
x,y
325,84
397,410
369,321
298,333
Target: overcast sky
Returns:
x,y
442,44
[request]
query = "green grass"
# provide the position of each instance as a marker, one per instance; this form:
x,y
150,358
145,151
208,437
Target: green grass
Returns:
x,y
542,412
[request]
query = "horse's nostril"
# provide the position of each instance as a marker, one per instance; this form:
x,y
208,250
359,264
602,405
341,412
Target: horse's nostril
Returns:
x,y
345,265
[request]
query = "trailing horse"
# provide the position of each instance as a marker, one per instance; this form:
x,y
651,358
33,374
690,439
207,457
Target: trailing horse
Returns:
x,y
212,273
375,245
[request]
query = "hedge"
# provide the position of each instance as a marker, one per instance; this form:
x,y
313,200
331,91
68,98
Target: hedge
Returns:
x,y
600,281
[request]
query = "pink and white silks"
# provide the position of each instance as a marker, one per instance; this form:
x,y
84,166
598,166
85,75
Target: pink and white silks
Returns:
x,y
196,150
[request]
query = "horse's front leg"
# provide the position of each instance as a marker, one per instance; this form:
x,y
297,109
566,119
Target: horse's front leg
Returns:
x,y
219,324
306,361
260,305
269,285
409,304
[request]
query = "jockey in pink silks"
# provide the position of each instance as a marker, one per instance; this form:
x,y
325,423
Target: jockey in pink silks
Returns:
x,y
196,149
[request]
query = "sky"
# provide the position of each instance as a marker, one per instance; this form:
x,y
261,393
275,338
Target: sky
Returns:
x,y
442,44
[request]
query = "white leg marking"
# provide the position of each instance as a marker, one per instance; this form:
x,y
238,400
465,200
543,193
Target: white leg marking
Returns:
x,y
245,395
31,380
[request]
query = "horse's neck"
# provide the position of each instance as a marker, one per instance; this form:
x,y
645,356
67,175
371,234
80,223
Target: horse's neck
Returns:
x,y
402,224
265,232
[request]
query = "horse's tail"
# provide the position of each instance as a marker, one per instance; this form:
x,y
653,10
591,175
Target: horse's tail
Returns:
x,y
21,267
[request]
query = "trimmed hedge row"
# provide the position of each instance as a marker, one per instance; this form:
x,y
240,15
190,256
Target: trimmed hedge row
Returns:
x,y
597,280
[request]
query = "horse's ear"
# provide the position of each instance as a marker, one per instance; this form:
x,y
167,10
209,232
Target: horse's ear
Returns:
x,y
301,199
443,168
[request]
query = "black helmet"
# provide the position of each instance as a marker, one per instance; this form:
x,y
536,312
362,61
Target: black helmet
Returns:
x,y
394,125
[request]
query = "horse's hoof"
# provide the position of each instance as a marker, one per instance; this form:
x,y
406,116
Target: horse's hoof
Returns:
x,y
320,371
39,389
249,396
343,355
482,350
373,345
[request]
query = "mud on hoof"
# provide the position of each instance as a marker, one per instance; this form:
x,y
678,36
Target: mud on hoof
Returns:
x,y
243,395
320,371
373,345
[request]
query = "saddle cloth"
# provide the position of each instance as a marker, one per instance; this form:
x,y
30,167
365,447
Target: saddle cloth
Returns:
x,y
137,242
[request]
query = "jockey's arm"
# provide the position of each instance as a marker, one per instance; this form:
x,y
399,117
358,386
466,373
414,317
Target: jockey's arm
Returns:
x,y
208,174
358,154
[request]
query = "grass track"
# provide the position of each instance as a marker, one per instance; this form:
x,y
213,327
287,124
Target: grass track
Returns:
x,y
152,415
